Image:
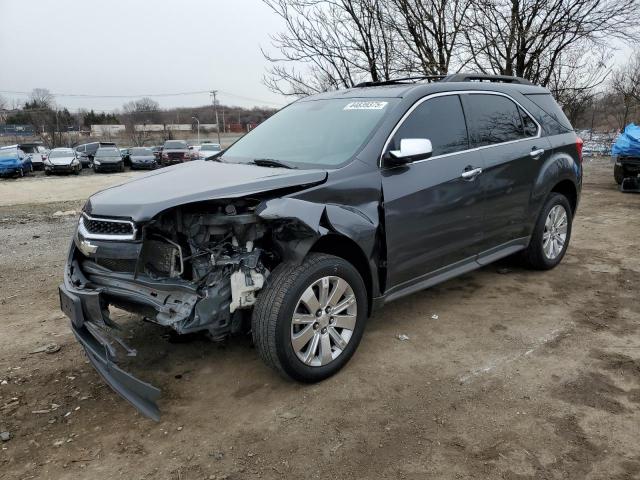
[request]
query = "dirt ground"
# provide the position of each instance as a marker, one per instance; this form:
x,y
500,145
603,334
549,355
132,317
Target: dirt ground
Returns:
x,y
507,373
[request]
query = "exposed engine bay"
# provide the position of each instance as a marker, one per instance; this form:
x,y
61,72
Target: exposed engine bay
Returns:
x,y
193,268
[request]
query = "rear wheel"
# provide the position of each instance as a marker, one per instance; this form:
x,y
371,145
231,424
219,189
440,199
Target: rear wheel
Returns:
x,y
551,234
618,173
309,319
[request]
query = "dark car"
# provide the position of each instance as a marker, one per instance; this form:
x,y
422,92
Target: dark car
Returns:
x,y
175,151
335,206
108,159
125,153
88,151
142,157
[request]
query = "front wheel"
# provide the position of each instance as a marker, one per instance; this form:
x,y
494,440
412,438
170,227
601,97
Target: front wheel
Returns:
x,y
309,319
551,234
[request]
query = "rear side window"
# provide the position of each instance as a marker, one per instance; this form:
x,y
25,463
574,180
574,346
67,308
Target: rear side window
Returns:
x,y
529,125
439,119
493,119
553,112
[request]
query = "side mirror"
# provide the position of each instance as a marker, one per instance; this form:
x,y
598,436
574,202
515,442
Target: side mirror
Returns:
x,y
411,150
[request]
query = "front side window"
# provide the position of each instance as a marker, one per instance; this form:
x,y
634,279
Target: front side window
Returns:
x,y
494,119
440,120
312,134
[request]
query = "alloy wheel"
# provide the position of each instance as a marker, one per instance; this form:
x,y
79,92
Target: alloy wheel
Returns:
x,y
555,232
323,321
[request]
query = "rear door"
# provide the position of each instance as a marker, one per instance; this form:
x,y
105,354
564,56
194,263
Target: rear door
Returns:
x,y
432,213
513,152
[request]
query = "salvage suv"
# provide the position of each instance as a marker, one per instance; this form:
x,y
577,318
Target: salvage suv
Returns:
x,y
336,205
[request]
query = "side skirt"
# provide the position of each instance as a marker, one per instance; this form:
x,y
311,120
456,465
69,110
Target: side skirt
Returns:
x,y
451,271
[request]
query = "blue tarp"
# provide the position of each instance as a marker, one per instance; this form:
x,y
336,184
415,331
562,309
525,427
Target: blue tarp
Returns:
x,y
628,144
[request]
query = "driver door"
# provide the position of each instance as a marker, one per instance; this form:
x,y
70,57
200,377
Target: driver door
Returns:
x,y
433,216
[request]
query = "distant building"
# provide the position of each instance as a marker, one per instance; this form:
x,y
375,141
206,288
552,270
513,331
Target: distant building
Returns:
x,y
101,130
16,130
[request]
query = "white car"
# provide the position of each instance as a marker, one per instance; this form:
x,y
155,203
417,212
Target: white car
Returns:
x,y
36,151
208,149
65,160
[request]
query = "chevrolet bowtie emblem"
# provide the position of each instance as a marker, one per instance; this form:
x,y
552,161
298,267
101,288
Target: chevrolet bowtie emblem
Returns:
x,y
87,247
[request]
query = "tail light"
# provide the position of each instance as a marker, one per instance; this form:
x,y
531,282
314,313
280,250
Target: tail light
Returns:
x,y
579,143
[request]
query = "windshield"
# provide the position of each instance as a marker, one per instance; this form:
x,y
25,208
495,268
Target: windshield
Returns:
x,y
109,152
61,153
140,151
175,144
212,147
29,149
312,134
9,153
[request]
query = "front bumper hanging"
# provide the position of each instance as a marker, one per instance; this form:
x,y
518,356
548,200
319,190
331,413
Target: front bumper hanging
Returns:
x,y
101,352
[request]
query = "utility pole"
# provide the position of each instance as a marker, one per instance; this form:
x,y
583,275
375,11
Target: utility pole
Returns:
x,y
197,120
215,109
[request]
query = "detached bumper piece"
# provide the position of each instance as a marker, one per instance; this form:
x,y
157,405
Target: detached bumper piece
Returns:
x,y
100,349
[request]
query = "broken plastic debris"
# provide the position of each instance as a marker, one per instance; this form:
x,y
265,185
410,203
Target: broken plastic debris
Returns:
x,y
435,316
49,348
402,337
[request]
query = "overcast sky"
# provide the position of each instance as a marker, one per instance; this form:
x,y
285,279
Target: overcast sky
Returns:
x,y
136,47
132,47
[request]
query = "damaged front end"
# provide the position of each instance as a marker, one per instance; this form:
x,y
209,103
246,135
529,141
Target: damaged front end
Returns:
x,y
193,268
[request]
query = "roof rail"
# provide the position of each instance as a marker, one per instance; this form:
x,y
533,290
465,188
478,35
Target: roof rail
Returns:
x,y
402,80
483,77
455,77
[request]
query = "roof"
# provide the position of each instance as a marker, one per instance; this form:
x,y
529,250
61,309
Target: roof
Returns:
x,y
457,82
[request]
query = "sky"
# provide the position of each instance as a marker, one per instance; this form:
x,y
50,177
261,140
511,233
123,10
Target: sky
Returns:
x,y
107,48
136,47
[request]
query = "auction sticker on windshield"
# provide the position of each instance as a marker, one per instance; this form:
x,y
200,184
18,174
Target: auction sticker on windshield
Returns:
x,y
365,106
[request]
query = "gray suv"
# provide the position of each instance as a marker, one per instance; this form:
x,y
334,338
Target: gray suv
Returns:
x,y
336,205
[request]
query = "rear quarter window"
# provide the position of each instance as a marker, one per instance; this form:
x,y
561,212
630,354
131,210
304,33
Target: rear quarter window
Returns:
x,y
494,119
554,119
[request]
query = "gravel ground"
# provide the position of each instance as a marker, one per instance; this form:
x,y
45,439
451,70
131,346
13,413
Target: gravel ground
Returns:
x,y
506,373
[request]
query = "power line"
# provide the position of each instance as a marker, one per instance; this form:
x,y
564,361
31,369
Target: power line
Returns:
x,y
151,95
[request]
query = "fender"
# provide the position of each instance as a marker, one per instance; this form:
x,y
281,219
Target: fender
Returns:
x,y
560,166
297,225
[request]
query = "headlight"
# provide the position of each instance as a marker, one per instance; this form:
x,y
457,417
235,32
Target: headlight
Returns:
x,y
96,162
48,162
74,161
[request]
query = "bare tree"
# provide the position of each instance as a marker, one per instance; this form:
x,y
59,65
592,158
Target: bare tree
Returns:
x,y
330,44
576,77
529,38
41,98
136,112
625,83
430,31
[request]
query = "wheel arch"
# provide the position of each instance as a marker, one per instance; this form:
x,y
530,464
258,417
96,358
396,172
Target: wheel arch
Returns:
x,y
345,248
567,188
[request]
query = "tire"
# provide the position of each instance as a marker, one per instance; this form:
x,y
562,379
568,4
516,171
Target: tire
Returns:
x,y
618,173
536,255
47,173
272,320
121,169
21,172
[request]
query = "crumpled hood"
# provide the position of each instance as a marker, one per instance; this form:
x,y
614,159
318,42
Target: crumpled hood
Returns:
x,y
146,196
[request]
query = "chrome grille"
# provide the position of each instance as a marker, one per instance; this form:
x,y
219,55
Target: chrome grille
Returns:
x,y
106,228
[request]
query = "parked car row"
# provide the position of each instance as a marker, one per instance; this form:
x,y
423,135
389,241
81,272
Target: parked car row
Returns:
x,y
19,159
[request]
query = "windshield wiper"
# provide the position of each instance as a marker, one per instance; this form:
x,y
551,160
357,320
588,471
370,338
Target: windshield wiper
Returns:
x,y
270,162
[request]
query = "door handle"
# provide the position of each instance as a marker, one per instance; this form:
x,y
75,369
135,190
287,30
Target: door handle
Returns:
x,y
471,174
536,153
